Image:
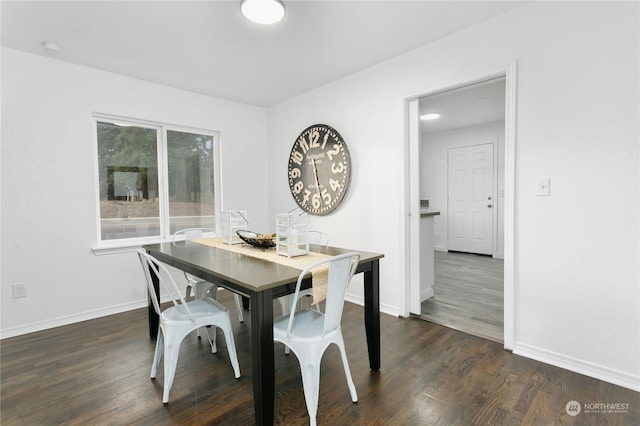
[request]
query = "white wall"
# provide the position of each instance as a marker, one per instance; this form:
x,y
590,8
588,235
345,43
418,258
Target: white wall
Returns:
x,y
433,175
48,191
577,301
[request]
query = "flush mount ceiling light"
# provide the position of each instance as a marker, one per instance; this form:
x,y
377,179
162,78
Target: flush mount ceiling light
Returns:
x,y
430,116
50,48
263,11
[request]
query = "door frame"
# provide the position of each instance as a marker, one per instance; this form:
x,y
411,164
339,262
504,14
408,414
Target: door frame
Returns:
x,y
411,205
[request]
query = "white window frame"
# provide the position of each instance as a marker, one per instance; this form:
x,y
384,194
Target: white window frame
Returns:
x,y
129,244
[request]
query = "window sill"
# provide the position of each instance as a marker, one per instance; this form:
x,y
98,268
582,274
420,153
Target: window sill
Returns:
x,y
116,247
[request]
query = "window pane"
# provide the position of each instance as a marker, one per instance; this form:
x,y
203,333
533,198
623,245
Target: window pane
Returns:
x,y
128,179
191,188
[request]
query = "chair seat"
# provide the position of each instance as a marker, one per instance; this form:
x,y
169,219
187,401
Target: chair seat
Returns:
x,y
200,309
309,324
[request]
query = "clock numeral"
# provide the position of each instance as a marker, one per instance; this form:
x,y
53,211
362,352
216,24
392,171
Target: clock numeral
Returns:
x,y
299,186
320,197
295,173
324,142
297,157
335,185
307,194
313,139
337,167
302,143
326,197
334,151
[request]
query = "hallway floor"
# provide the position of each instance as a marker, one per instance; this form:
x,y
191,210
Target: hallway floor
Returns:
x,y
469,294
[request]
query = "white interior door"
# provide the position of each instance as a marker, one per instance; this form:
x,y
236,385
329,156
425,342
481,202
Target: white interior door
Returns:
x,y
471,199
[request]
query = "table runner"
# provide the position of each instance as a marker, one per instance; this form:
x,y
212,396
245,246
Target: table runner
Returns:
x,y
319,276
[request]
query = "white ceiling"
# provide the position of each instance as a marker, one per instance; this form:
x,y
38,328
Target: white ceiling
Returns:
x,y
479,103
208,47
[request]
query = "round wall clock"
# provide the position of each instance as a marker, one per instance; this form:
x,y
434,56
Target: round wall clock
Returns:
x,y
319,169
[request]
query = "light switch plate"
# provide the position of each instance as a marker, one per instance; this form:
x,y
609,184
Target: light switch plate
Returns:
x,y
543,187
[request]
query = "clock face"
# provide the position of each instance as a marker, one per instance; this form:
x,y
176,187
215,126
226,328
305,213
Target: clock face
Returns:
x,y
319,169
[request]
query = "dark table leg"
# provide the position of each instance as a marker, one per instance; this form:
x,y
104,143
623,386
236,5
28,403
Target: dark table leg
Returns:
x,y
154,319
262,356
372,313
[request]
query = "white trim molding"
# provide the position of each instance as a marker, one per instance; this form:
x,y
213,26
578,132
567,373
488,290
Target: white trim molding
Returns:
x,y
596,371
384,309
510,254
71,319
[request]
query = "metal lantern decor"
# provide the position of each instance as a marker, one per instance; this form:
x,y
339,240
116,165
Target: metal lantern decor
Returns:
x,y
231,222
292,230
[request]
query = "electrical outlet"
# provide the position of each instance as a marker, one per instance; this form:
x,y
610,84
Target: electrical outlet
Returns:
x,y
19,290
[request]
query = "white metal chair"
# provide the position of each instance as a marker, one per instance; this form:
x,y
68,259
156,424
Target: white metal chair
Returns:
x,y
314,237
308,333
199,286
181,319
317,237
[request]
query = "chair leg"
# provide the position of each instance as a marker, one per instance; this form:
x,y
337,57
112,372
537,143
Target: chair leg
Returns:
x,y
347,371
212,341
238,307
157,354
310,371
285,304
171,352
231,348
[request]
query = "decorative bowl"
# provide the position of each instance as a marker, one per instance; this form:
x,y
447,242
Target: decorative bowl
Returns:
x,y
255,239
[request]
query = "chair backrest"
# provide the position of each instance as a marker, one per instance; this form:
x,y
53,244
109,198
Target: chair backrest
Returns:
x,y
192,233
150,265
317,237
340,270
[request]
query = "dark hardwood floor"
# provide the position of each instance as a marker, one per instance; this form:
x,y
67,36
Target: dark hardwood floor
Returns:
x,y
468,294
97,373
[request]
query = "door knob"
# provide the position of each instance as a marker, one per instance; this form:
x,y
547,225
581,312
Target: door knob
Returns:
x,y
489,205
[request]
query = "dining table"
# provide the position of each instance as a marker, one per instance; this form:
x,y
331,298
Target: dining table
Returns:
x,y
260,281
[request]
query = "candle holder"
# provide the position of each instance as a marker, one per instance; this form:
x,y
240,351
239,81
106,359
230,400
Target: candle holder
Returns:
x,y
231,222
292,231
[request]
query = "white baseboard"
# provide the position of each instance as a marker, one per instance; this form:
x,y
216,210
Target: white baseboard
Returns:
x,y
70,319
386,309
6,333
426,294
437,247
599,372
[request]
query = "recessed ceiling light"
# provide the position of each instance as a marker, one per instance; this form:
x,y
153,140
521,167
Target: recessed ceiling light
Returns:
x,y
263,11
430,116
50,47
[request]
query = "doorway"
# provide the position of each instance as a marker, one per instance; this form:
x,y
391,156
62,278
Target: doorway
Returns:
x,y
495,222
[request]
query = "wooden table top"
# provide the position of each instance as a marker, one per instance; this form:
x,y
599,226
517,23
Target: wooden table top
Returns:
x,y
248,272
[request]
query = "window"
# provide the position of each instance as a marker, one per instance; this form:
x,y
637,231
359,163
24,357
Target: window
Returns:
x,y
134,159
